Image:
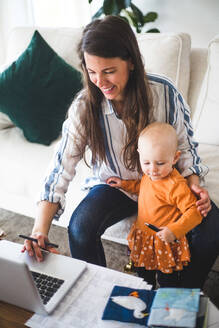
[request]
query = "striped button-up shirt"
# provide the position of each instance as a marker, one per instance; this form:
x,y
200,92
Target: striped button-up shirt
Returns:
x,y
168,106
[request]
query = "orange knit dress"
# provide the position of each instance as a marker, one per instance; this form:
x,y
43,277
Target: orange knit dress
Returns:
x,y
166,202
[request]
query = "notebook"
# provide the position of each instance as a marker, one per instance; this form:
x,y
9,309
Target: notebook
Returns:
x,y
175,307
53,278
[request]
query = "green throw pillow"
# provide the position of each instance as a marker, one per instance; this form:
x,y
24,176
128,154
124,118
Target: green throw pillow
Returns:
x,y
37,90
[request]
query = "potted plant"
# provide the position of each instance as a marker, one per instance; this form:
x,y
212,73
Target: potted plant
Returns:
x,y
128,11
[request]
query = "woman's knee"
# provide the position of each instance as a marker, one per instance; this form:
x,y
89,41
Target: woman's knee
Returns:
x,y
80,228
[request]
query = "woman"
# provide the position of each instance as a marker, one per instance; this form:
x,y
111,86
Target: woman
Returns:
x,y
117,102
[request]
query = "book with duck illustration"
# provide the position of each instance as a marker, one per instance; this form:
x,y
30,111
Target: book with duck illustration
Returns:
x,y
129,305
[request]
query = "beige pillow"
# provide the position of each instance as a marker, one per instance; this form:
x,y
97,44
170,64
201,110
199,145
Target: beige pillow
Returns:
x,y
206,115
168,54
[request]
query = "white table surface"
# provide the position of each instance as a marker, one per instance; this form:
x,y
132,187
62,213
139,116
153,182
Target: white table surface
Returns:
x,y
84,304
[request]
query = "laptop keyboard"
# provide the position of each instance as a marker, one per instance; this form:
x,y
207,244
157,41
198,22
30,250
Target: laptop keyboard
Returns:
x,y
46,285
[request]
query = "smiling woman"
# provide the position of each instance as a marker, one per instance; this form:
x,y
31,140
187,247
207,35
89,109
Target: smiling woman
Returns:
x,y
110,75
115,81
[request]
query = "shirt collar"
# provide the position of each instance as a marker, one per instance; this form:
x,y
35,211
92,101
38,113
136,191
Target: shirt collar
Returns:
x,y
107,107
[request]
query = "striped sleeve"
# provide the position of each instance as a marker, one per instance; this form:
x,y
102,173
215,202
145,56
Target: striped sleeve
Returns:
x,y
177,113
62,167
179,117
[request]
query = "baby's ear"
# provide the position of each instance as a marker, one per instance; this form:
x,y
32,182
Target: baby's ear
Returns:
x,y
177,156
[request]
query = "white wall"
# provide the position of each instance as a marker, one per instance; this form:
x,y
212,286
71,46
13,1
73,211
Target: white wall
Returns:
x,y
67,13
199,18
13,13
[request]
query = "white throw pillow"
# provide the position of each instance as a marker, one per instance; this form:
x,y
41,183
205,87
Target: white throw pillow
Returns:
x,y
168,54
206,115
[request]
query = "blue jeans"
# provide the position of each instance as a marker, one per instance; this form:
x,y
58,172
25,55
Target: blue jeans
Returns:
x,y
204,247
101,208
105,205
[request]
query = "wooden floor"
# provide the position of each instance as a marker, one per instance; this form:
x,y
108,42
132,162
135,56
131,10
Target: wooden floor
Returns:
x,y
12,316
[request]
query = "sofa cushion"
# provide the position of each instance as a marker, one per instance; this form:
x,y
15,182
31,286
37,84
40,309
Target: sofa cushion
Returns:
x,y
168,54
206,115
198,69
210,157
37,89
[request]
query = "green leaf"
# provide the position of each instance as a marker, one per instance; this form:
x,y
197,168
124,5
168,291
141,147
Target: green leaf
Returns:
x,y
110,7
138,14
89,1
121,4
153,30
124,18
98,13
150,17
132,20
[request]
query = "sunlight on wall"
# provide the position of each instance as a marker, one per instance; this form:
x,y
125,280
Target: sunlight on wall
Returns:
x,y
65,13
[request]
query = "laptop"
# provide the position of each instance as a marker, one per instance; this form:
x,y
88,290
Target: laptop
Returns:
x,y
32,285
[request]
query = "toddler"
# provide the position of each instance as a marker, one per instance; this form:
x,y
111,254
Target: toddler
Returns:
x,y
165,201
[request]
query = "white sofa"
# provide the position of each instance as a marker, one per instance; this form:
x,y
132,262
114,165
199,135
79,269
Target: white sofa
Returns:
x,y
195,72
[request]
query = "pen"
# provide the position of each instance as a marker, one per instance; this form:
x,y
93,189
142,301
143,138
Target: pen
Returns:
x,y
152,227
34,239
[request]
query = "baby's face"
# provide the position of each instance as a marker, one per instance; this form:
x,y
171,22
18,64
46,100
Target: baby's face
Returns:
x,y
156,160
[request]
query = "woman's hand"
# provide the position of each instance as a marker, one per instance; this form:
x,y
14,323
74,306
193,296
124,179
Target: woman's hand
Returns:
x,y
203,204
114,182
45,214
35,248
166,235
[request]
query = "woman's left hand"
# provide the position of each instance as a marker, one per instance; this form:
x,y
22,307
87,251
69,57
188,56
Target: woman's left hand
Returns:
x,y
203,204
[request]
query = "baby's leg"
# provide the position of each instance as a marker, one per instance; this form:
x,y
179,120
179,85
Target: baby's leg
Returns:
x,y
147,275
168,279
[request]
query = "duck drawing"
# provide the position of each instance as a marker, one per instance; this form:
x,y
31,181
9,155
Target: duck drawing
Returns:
x,y
132,302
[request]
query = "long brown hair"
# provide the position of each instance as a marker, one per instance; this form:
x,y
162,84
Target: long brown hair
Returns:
x,y
113,37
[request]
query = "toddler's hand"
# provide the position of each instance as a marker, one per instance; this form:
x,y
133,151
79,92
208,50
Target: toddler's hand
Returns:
x,y
166,235
114,182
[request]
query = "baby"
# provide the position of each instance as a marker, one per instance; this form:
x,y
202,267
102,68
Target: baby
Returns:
x,y
165,201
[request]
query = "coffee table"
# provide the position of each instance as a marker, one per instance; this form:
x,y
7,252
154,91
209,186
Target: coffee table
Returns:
x,y
84,303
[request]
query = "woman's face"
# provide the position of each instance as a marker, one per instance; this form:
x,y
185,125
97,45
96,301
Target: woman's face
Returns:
x,y
110,75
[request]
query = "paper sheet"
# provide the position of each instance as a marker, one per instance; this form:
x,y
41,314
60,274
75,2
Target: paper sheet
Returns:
x,y
84,304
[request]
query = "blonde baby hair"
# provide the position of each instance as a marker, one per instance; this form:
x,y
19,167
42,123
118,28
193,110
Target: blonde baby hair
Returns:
x,y
162,133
